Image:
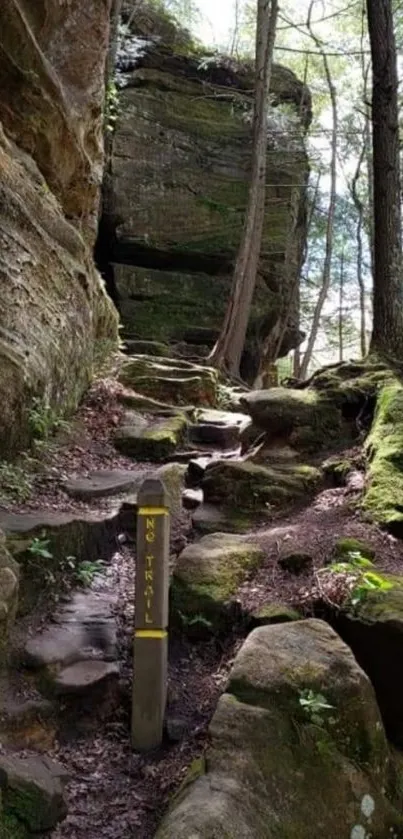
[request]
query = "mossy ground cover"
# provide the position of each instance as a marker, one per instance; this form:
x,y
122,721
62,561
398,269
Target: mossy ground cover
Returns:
x,y
383,499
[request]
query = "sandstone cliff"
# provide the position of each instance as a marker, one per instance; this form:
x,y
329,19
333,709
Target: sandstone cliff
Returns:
x,y
55,316
177,188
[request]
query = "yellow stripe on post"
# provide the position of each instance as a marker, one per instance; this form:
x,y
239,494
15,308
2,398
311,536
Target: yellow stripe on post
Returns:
x,y
150,633
153,511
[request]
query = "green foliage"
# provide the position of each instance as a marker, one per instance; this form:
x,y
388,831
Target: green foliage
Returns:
x,y
197,621
363,580
43,420
314,705
39,547
85,571
15,483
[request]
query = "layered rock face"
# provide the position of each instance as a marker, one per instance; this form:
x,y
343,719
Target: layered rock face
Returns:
x,y
55,318
177,190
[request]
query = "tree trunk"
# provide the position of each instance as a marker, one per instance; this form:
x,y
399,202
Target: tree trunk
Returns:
x,y
228,349
359,206
341,308
327,265
387,335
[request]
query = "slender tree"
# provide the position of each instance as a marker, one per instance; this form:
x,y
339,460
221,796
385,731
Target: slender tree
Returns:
x,y
327,264
228,349
387,335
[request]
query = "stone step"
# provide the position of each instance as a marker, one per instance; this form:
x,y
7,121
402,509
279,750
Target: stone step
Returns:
x,y
103,483
153,441
192,498
83,629
84,676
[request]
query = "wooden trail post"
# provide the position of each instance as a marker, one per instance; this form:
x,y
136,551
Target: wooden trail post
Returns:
x,y
150,651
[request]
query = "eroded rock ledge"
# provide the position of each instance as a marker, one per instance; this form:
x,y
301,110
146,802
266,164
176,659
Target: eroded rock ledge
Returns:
x,y
56,319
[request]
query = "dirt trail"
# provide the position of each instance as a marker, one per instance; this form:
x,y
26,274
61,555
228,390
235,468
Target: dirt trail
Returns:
x,y
114,793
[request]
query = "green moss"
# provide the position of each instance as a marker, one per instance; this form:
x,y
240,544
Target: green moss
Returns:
x,y
207,576
307,418
383,606
384,447
274,613
248,486
347,545
11,828
156,442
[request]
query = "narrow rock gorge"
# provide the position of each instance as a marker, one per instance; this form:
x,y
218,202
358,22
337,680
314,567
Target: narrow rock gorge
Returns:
x,y
125,151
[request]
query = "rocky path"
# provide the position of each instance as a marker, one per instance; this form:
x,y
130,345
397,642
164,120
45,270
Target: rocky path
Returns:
x,y
253,535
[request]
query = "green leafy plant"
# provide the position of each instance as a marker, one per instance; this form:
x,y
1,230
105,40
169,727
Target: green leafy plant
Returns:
x,y
369,581
86,571
314,705
197,620
39,547
43,420
15,483
364,579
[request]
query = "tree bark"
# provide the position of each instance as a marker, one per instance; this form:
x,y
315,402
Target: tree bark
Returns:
x,y
341,308
387,335
359,206
228,349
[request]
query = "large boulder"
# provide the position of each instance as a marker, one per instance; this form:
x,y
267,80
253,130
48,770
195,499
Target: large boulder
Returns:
x,y
178,186
32,793
56,321
241,485
207,575
297,747
305,418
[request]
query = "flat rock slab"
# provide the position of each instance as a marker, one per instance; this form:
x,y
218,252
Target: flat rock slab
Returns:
x,y
209,518
70,534
32,791
219,428
154,441
84,629
85,675
103,483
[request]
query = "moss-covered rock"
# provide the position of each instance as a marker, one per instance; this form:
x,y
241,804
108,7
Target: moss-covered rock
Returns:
x,y
32,792
374,631
9,575
171,380
304,417
347,545
243,486
383,499
43,541
187,223
56,320
273,612
154,441
207,575
276,767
